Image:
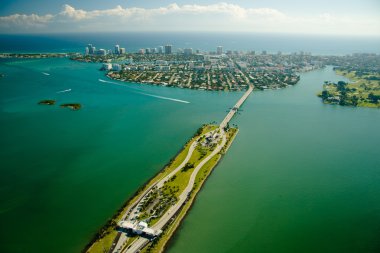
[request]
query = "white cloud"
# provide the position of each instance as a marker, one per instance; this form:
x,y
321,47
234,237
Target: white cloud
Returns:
x,y
22,20
190,17
71,13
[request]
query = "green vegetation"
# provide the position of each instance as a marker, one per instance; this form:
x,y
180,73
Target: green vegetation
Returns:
x,y
74,106
363,71
105,243
47,102
363,90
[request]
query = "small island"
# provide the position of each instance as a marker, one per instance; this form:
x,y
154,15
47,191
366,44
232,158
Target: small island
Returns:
x,y
47,102
72,106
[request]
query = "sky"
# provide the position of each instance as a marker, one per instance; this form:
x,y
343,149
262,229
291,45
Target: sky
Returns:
x,y
325,17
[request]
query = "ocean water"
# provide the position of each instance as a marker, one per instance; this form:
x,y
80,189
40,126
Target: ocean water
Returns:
x,y
133,41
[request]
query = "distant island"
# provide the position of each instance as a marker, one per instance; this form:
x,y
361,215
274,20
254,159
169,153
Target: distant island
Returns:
x,y
36,55
73,106
363,90
47,102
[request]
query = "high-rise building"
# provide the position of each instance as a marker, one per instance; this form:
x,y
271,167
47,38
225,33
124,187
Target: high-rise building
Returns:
x,y
160,49
264,52
101,52
141,51
87,51
117,49
188,51
91,49
147,50
122,50
168,49
219,50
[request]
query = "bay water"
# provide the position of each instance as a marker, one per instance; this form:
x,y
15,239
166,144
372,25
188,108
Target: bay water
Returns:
x,y
301,176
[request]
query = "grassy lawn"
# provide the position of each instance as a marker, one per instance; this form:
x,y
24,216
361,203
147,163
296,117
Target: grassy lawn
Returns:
x,y
104,243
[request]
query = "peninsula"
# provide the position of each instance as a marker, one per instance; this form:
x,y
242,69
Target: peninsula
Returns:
x,y
148,220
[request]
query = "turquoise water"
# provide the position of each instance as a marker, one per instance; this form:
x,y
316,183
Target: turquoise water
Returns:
x,y
64,173
301,176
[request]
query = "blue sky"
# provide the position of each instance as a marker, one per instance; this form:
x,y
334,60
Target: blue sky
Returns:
x,y
350,17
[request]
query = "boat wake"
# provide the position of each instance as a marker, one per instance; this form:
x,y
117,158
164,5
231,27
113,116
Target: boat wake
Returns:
x,y
146,94
166,98
62,91
46,74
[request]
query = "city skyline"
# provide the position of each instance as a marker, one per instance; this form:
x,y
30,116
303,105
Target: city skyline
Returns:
x,y
357,18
